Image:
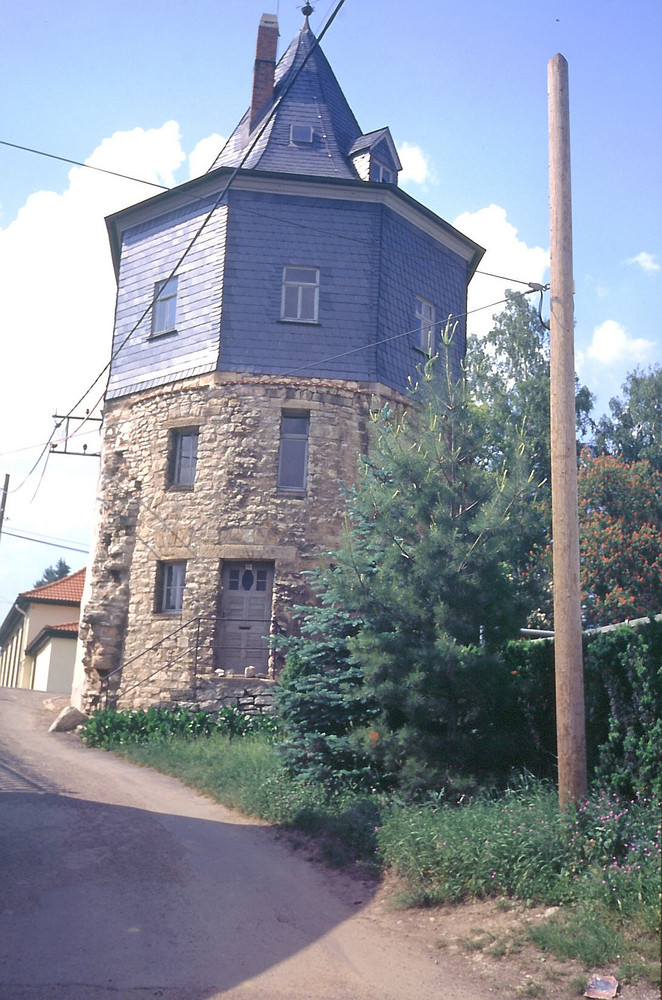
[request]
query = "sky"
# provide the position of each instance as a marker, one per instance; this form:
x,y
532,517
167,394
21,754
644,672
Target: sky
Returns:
x,y
151,89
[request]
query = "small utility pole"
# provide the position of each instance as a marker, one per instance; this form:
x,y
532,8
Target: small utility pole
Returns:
x,y
570,718
3,501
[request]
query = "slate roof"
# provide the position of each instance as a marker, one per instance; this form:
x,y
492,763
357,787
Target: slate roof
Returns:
x,y
315,100
68,590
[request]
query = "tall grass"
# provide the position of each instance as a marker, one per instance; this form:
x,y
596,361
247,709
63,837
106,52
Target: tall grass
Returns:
x,y
513,846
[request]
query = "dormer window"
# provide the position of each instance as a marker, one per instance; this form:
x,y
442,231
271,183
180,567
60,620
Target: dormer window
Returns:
x,y
381,173
375,157
301,135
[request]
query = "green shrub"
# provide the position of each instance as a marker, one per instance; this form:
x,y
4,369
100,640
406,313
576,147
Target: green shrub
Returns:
x,y
623,691
109,728
321,702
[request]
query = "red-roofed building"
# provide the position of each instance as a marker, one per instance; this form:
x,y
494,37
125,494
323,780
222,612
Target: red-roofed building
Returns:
x,y
38,636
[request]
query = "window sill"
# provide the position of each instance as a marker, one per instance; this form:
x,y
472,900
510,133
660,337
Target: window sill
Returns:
x,y
162,333
179,488
166,615
300,322
291,494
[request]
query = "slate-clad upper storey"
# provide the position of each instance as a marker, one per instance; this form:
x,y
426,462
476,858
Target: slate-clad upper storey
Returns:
x,y
146,253
375,250
314,101
315,196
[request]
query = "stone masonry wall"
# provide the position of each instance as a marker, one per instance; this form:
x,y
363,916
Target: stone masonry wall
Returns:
x,y
234,511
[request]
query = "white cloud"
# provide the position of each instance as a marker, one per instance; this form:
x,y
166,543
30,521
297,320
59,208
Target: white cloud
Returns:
x,y
151,154
506,255
203,155
415,164
57,296
646,261
612,345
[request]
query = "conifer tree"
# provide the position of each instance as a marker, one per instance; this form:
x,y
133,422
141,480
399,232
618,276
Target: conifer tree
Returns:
x,y
425,571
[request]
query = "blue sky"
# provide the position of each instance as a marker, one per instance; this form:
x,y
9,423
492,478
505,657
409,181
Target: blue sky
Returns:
x,y
150,89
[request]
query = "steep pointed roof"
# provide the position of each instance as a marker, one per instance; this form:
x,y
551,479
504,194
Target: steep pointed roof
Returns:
x,y
325,127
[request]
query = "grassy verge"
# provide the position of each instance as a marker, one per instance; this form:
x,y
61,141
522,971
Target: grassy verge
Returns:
x,y
600,866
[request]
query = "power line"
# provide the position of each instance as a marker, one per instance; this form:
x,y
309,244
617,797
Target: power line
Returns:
x,y
367,243
87,166
248,211
41,541
259,215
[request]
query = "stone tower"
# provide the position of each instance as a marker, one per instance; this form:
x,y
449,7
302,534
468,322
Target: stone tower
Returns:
x,y
263,310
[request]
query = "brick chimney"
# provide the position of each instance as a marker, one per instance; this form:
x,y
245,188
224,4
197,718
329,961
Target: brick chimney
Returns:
x,y
265,65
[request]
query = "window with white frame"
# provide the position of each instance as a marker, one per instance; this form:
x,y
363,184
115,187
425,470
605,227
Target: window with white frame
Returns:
x,y
425,317
164,310
300,294
293,454
183,456
381,173
170,583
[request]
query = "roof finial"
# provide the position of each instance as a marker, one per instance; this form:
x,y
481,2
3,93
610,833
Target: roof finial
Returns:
x,y
307,10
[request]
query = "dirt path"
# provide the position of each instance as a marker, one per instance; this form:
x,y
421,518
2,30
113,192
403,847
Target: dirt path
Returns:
x,y
120,882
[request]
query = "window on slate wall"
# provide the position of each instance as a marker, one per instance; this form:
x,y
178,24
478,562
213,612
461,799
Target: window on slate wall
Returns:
x,y
425,319
300,294
379,172
183,456
170,583
164,310
293,455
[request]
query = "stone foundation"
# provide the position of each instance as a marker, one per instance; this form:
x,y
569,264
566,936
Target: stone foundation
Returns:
x,y
234,511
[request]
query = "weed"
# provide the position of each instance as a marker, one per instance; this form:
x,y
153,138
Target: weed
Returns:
x,y
499,949
632,970
478,942
532,989
584,936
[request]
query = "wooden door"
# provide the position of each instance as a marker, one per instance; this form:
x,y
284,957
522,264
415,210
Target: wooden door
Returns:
x,y
245,616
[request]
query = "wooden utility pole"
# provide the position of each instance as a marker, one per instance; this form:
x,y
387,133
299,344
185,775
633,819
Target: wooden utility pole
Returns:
x,y
3,501
570,717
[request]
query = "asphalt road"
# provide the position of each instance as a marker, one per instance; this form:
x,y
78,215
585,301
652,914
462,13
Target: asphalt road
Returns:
x,y
118,882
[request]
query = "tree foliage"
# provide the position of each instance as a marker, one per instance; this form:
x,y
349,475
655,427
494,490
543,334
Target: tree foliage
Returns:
x,y
508,372
634,429
620,517
425,572
53,573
